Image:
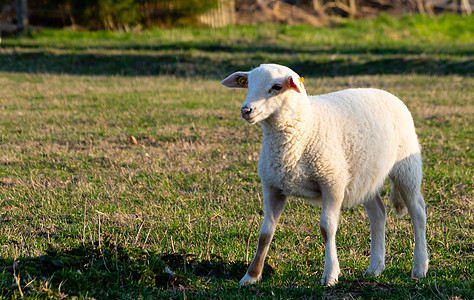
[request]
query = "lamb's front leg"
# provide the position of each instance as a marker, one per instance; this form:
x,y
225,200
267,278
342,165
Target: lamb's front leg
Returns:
x,y
273,204
331,208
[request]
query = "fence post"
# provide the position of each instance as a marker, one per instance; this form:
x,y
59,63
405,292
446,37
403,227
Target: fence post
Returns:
x,y
21,14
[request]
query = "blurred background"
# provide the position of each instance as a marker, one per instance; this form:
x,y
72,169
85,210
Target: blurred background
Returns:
x,y
134,15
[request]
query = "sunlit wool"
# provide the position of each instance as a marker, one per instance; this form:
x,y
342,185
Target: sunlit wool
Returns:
x,y
335,150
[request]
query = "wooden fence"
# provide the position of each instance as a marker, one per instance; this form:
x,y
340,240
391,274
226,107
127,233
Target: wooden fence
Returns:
x,y
223,15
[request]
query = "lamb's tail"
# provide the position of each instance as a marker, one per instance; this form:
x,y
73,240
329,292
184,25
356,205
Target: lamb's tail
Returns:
x,y
397,201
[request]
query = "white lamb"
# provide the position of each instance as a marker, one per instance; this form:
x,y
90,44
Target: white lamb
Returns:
x,y
335,150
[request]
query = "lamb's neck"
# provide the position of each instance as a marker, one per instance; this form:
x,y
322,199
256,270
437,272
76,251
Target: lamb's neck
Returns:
x,y
289,121
287,128
285,141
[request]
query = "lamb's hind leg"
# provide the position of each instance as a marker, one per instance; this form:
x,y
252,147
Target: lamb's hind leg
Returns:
x,y
416,209
407,176
376,211
273,203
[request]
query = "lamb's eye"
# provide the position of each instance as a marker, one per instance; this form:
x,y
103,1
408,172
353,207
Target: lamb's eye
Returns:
x,y
276,87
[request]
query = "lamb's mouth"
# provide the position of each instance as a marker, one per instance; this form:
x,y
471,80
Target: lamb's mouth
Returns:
x,y
251,119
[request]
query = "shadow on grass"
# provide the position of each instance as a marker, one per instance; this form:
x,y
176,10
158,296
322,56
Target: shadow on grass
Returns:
x,y
214,65
111,271
236,47
108,270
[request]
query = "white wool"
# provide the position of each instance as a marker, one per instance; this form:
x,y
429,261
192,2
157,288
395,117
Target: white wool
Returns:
x,y
336,149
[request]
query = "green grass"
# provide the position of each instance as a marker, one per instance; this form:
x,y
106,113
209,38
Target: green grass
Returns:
x,y
86,214
411,44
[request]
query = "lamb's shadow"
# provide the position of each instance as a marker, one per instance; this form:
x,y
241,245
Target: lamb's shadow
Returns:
x,y
102,269
217,267
110,271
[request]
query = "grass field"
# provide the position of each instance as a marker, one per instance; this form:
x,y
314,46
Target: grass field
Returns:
x,y
87,214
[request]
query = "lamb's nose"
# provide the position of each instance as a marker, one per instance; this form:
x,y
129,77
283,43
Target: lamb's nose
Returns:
x,y
245,112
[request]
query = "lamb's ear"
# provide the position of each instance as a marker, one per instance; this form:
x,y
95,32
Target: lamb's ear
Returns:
x,y
295,83
237,80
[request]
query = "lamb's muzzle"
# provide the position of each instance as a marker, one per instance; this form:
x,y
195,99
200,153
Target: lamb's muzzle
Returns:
x,y
245,112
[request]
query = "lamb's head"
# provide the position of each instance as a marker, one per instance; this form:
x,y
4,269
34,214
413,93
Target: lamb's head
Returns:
x,y
273,91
